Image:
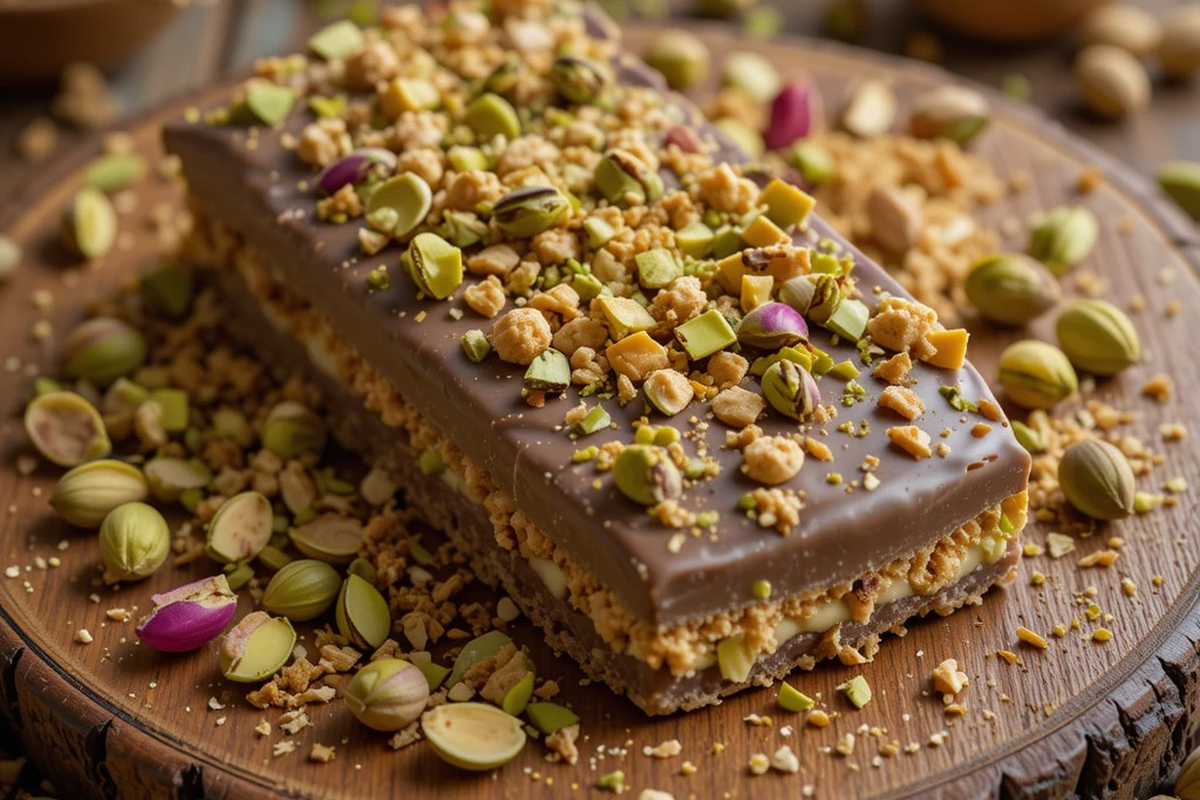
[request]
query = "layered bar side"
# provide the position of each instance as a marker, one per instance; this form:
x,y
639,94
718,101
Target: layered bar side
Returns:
x,y
723,556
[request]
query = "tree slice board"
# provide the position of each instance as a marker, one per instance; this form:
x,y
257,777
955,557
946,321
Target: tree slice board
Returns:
x,y
1080,719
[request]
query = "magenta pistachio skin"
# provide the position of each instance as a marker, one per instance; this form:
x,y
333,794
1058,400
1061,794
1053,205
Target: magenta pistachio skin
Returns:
x,y
189,617
771,326
355,168
795,112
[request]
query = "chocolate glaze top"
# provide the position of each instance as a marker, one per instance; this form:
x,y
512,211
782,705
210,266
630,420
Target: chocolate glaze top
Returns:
x,y
256,186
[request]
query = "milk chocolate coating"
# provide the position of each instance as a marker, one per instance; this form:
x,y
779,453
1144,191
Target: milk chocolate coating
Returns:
x,y
264,192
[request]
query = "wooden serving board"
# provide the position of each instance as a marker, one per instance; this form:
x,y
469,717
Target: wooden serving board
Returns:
x,y
1081,719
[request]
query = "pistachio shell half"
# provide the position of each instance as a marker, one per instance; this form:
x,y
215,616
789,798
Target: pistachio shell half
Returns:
x,y
473,736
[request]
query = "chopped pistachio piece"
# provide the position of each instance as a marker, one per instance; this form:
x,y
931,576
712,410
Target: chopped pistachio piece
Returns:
x,y
476,345
706,334
268,103
549,372
175,408
292,431
435,264
435,674
168,478
329,538
760,589
550,717
336,40
473,736
857,691
646,475
657,268
241,528
517,698
734,659
167,292
624,179
849,319
792,699
814,162
490,115
114,172
596,419
530,210
599,232
399,204
89,224
474,651
257,647
625,316
787,205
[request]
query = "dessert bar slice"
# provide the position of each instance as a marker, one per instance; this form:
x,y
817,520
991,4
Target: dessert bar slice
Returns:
x,y
696,436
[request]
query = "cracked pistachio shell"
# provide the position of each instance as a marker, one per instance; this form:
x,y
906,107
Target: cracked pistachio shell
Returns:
x,y
388,694
189,617
257,647
399,204
1036,374
473,736
529,210
102,349
89,224
85,495
791,390
1097,479
772,325
302,590
577,79
1011,288
1064,237
646,475
66,429
363,616
330,538
134,542
241,528
1098,337
292,430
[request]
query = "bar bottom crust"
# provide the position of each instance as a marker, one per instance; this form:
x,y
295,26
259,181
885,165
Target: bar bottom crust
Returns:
x,y
661,669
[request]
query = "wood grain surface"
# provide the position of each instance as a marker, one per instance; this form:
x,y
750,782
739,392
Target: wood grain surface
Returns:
x,y
1080,719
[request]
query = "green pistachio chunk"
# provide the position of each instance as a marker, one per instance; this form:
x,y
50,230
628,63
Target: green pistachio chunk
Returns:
x,y
734,659
657,268
577,79
1064,237
599,232
89,224
849,319
530,210
399,204
268,103
624,179
706,334
646,475
597,419
336,40
814,162
293,431
490,115
115,171
168,478
475,345
550,372
857,691
167,292
550,717
695,240
175,408
792,699
436,265
1181,180
256,647
625,316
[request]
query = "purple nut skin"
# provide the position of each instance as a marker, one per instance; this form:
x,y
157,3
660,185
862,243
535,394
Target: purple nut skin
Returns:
x,y
795,112
771,326
356,167
189,617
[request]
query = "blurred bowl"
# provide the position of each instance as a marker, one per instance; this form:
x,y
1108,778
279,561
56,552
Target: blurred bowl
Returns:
x,y
1010,20
39,37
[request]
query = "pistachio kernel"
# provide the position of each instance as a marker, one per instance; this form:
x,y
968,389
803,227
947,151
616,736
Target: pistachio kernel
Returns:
x,y
388,694
529,210
577,79
362,613
302,590
791,390
256,647
1064,237
624,179
89,224
646,475
473,736
399,204
680,56
134,542
292,431
490,115
435,265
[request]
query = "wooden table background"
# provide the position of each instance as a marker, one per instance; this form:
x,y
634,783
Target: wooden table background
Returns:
x,y
206,42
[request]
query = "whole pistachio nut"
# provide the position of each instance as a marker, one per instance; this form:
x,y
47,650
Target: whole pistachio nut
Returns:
x,y
473,736
624,179
86,494
791,390
134,542
530,210
680,56
302,590
1112,82
115,171
435,265
646,475
1010,288
361,166
1064,237
362,613
330,538
949,112
825,299
1181,180
89,224
399,204
578,80
1097,480
388,694
241,528
1036,374
66,429
772,325
189,617
167,292
256,647
102,349
292,430
1098,337
1179,50
169,477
